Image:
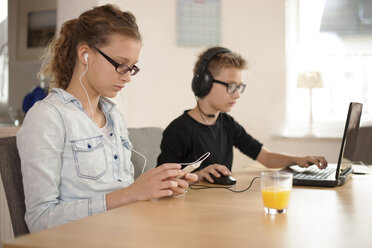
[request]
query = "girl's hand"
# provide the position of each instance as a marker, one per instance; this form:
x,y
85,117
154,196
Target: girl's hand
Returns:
x,y
157,182
183,183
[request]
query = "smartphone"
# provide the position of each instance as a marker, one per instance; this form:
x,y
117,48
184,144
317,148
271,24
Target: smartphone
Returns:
x,y
191,167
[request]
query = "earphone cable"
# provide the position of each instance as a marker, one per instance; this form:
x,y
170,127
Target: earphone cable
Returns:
x,y
122,97
86,93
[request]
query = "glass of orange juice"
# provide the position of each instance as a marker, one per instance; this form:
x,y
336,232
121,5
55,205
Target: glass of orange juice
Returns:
x,y
276,188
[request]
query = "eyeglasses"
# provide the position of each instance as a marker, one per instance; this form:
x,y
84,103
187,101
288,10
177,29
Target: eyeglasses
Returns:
x,y
121,68
231,87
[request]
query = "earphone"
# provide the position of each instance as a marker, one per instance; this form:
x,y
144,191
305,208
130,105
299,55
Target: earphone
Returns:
x,y
202,80
86,57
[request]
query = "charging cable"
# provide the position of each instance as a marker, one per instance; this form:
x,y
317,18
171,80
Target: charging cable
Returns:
x,y
199,160
145,160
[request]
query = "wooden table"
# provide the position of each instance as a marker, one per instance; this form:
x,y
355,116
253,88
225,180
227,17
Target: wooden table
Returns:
x,y
316,217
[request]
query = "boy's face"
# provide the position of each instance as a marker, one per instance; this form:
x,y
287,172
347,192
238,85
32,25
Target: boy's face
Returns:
x,y
218,98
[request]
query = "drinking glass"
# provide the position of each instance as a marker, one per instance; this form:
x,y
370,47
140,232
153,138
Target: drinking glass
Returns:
x,y
276,188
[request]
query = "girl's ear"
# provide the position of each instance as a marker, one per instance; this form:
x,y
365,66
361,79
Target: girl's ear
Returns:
x,y
83,53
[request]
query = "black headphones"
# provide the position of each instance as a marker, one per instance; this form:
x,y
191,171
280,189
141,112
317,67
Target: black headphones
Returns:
x,y
202,80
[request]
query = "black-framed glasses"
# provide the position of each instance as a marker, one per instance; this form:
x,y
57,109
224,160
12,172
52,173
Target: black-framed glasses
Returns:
x,y
120,68
231,87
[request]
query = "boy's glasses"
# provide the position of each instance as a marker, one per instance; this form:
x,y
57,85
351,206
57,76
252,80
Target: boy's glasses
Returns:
x,y
121,68
231,87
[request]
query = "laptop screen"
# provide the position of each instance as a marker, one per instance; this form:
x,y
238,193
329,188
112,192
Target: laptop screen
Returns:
x,y
349,139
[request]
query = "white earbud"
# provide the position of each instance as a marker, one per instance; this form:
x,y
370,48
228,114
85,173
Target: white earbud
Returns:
x,y
86,57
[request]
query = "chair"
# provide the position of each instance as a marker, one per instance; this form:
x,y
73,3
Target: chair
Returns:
x,y
10,170
146,141
363,149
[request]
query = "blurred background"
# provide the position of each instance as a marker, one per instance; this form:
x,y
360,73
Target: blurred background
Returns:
x,y
283,41
307,61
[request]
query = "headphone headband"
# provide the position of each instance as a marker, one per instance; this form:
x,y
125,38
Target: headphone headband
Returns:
x,y
212,52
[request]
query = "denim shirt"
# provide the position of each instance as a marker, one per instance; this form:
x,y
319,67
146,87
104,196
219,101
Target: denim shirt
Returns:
x,y
68,164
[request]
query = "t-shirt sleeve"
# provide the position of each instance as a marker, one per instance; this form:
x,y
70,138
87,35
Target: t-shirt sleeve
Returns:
x,y
245,142
173,145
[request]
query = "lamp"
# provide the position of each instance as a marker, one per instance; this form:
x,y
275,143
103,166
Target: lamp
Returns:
x,y
310,80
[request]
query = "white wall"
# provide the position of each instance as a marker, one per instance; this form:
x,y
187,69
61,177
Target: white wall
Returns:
x,y
254,28
162,90
69,9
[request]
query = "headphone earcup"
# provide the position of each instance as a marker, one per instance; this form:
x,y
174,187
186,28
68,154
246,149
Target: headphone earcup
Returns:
x,y
202,83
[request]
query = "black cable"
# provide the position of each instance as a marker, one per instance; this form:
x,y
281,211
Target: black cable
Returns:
x,y
201,113
200,186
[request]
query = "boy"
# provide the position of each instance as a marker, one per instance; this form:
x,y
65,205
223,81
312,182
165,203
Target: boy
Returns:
x,y
208,128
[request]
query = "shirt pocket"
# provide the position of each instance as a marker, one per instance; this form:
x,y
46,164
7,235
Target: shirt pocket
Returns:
x,y
90,157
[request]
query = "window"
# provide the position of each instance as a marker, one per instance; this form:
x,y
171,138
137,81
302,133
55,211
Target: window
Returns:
x,y
319,39
4,58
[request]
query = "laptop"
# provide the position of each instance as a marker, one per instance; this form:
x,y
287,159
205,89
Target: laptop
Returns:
x,y
335,174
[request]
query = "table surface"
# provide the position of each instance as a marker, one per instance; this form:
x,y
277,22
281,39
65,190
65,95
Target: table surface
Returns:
x,y
316,217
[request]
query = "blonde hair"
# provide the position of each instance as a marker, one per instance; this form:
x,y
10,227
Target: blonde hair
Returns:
x,y
221,60
93,27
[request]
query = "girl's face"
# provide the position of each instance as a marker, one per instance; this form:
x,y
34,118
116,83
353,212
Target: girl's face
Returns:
x,y
218,98
101,75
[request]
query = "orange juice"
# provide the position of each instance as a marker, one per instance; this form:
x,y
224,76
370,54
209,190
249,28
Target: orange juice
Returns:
x,y
276,197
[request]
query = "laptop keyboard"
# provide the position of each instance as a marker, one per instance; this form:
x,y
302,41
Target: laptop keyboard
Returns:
x,y
314,173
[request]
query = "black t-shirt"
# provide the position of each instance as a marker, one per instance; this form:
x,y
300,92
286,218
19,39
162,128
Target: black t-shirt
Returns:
x,y
185,140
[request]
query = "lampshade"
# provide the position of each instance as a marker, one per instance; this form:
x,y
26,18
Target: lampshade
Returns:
x,y
309,79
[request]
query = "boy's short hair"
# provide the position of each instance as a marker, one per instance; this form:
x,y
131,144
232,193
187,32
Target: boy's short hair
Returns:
x,y
222,60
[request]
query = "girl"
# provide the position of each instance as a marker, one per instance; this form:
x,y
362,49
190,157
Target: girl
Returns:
x,y
74,145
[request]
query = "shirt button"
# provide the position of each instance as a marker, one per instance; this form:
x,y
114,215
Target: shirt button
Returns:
x,y
111,134
89,146
115,157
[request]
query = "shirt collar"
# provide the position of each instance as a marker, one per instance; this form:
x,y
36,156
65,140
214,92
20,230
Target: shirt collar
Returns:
x,y
105,104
